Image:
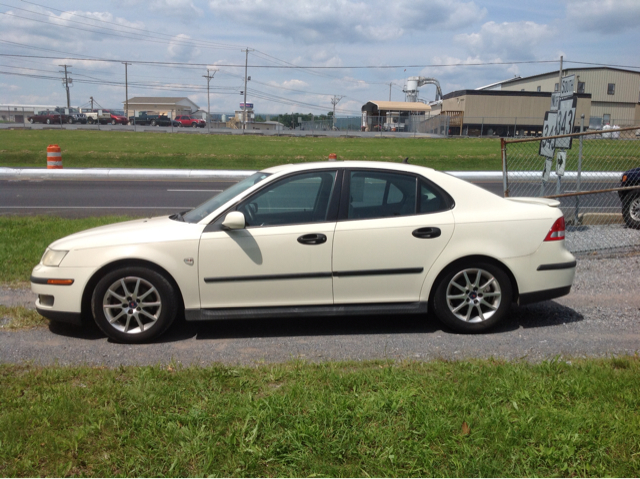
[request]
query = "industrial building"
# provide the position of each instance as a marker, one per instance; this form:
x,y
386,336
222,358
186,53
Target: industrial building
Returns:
x,y
615,93
392,115
501,113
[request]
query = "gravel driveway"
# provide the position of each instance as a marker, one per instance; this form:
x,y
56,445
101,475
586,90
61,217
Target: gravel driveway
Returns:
x,y
600,317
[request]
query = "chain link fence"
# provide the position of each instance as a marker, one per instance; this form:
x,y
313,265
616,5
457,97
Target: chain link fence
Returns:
x,y
585,175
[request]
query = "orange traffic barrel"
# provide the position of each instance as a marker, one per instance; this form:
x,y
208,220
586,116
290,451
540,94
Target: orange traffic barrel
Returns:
x,y
54,157
333,157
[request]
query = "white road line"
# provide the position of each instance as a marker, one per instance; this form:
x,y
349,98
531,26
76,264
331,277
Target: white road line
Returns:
x,y
208,191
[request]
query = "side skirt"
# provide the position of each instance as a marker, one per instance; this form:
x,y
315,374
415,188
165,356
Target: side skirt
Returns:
x,y
293,311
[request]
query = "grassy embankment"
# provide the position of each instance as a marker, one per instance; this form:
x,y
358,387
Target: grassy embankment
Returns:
x,y
384,419
93,149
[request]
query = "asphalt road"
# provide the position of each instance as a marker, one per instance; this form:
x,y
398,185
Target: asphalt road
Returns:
x,y
83,198
600,317
80,198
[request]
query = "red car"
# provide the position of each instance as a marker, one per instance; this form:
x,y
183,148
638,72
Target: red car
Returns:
x,y
118,119
188,120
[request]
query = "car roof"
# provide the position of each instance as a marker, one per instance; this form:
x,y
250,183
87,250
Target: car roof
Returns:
x,y
347,164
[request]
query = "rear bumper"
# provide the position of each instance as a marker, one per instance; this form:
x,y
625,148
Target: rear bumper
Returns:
x,y
536,296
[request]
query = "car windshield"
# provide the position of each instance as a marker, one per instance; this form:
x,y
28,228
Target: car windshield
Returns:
x,y
212,204
118,112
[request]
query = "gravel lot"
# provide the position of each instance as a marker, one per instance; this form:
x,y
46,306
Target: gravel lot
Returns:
x,y
600,317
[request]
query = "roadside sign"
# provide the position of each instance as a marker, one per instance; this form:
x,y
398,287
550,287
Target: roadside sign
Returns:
x,y
561,162
548,164
566,89
547,146
565,122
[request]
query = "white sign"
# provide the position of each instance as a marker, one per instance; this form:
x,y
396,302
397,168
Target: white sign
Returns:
x,y
547,146
566,88
561,162
555,100
565,122
548,164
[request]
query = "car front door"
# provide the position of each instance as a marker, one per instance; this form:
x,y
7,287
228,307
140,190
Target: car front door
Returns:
x,y
283,255
392,228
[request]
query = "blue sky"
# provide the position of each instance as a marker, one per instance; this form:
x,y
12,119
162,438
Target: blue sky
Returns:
x,y
171,43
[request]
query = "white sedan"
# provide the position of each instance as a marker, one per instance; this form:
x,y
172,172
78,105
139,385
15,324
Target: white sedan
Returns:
x,y
314,239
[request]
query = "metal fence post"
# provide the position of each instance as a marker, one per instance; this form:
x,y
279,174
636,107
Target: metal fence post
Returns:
x,y
482,127
579,184
505,182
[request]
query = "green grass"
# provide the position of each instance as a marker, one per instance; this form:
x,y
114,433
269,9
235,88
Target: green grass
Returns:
x,y
23,240
13,318
352,419
101,149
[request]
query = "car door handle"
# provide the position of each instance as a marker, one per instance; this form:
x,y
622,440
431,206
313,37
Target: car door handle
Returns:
x,y
428,232
312,238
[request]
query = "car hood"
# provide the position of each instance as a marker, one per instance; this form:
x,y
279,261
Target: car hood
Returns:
x,y
147,230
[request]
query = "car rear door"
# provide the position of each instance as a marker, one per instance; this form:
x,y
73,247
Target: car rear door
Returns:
x,y
283,255
392,226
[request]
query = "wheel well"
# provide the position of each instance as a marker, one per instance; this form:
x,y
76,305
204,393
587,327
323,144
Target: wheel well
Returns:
x,y
467,259
93,281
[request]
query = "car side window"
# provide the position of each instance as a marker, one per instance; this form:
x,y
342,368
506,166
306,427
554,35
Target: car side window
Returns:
x,y
296,199
380,194
432,199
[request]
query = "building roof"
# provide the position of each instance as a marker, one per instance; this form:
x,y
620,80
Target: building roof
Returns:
x,y
161,100
395,105
566,70
501,82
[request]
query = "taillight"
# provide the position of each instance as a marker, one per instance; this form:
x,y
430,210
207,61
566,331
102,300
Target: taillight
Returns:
x,y
556,232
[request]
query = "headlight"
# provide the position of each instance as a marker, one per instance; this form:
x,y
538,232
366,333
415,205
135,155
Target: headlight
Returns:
x,y
53,258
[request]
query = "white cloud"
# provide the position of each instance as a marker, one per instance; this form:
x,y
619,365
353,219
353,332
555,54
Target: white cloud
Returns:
x,y
350,21
180,49
604,16
181,8
508,40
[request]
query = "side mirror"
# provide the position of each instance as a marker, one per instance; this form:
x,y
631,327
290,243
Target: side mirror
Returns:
x,y
234,221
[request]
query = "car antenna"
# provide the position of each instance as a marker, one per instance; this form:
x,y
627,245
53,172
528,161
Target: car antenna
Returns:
x,y
406,160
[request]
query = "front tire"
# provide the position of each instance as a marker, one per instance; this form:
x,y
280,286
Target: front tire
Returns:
x,y
153,123
473,297
31,121
48,121
134,304
194,125
631,210
113,122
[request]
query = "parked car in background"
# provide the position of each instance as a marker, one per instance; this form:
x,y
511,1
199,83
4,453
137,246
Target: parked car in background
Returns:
x,y
118,117
152,119
188,120
73,115
631,198
49,117
328,239
101,116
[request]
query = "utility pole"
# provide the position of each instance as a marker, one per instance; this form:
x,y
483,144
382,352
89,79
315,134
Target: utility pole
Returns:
x,y
560,76
244,108
91,98
209,77
390,90
126,90
334,102
66,82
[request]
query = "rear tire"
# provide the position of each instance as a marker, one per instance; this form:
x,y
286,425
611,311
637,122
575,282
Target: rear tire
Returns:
x,y
134,304
31,121
48,121
113,122
631,210
473,297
